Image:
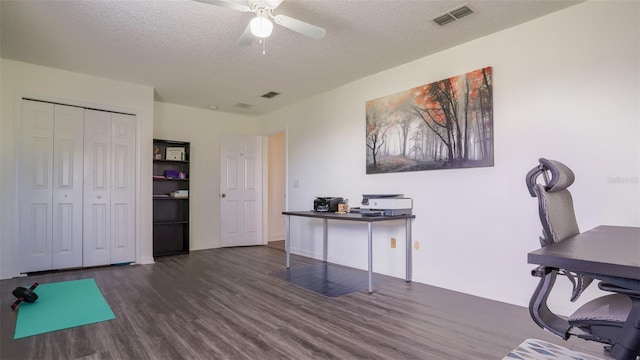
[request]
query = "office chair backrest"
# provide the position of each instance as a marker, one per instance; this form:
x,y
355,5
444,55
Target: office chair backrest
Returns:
x,y
555,204
555,208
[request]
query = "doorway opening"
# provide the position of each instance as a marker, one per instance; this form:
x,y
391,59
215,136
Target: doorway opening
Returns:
x,y
276,189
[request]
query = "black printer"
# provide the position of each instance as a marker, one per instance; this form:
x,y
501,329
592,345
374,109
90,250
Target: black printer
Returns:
x,y
326,204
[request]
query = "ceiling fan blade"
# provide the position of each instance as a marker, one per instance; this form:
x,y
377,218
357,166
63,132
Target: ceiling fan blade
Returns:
x,y
227,4
302,27
273,4
246,38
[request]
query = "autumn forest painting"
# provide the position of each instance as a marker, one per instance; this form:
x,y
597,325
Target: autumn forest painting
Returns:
x,y
443,125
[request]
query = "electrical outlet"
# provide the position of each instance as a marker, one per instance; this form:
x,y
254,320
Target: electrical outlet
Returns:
x,y
416,245
393,243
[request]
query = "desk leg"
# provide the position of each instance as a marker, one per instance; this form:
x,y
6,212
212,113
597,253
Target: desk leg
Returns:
x,y
408,255
370,225
287,240
325,236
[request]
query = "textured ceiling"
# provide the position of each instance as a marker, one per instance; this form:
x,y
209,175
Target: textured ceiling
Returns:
x,y
187,50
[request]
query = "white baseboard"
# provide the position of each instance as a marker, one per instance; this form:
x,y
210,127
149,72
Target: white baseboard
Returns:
x,y
147,261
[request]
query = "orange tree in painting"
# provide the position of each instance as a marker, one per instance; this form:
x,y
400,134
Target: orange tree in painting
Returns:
x,y
442,125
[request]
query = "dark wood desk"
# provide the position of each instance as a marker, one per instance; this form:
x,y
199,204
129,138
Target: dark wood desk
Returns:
x,y
608,253
326,216
605,250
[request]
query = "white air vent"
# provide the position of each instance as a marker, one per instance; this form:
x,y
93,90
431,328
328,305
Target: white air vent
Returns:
x,y
453,15
242,105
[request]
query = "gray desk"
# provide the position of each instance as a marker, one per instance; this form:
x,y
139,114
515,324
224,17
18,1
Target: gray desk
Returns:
x,y
325,216
605,250
608,253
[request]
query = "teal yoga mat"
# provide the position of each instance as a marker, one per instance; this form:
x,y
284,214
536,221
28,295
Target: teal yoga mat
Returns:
x,y
62,305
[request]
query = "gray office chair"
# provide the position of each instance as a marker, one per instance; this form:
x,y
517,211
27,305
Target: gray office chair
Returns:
x,y
602,319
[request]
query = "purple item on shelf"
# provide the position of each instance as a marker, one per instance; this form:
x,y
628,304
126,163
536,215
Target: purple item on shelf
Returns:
x,y
171,174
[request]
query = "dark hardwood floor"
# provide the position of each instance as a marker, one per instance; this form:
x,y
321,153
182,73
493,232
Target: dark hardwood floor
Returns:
x,y
276,244
225,304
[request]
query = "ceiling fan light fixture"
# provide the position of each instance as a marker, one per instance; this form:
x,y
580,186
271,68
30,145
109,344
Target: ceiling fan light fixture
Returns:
x,y
261,26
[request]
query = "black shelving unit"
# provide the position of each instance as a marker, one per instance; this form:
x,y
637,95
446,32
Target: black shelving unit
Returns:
x,y
170,197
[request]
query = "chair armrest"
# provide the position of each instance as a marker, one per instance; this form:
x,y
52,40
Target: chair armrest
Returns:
x,y
578,282
618,289
538,309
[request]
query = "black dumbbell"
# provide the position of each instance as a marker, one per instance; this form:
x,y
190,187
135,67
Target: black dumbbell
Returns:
x,y
24,294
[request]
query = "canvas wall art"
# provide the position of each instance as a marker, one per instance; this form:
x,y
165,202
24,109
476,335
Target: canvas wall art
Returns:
x,y
447,124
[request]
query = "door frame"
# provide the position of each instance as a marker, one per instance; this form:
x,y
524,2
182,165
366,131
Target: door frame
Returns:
x,y
17,131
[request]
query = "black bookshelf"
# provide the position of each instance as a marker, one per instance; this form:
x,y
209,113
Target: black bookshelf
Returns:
x,y
170,197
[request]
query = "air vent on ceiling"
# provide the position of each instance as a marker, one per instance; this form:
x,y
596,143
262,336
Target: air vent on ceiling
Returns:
x,y
242,105
270,94
453,15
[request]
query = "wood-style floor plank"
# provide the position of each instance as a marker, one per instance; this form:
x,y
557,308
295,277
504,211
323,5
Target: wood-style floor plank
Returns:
x,y
225,304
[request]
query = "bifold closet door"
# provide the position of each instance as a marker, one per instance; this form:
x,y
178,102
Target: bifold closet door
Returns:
x,y
123,165
109,188
50,187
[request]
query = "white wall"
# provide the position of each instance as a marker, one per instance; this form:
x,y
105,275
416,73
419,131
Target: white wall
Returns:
x,y
22,79
202,128
565,87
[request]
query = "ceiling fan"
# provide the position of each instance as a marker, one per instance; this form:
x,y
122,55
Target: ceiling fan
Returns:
x,y
261,26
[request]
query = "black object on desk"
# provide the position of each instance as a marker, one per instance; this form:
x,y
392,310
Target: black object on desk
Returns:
x,y
326,204
325,216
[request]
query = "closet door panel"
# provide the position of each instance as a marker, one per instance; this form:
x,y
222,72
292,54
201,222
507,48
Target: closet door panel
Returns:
x,y
35,177
67,187
97,177
123,188
97,234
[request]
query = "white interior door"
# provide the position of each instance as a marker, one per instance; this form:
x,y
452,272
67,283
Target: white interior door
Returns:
x,y
97,177
50,195
76,176
109,188
35,179
67,187
123,131
240,190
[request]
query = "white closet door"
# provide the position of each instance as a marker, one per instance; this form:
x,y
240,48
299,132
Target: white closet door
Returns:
x,y
97,177
35,169
123,131
109,188
67,187
76,175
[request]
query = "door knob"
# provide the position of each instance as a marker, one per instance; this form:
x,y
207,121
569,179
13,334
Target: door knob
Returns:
x,y
223,195
99,196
